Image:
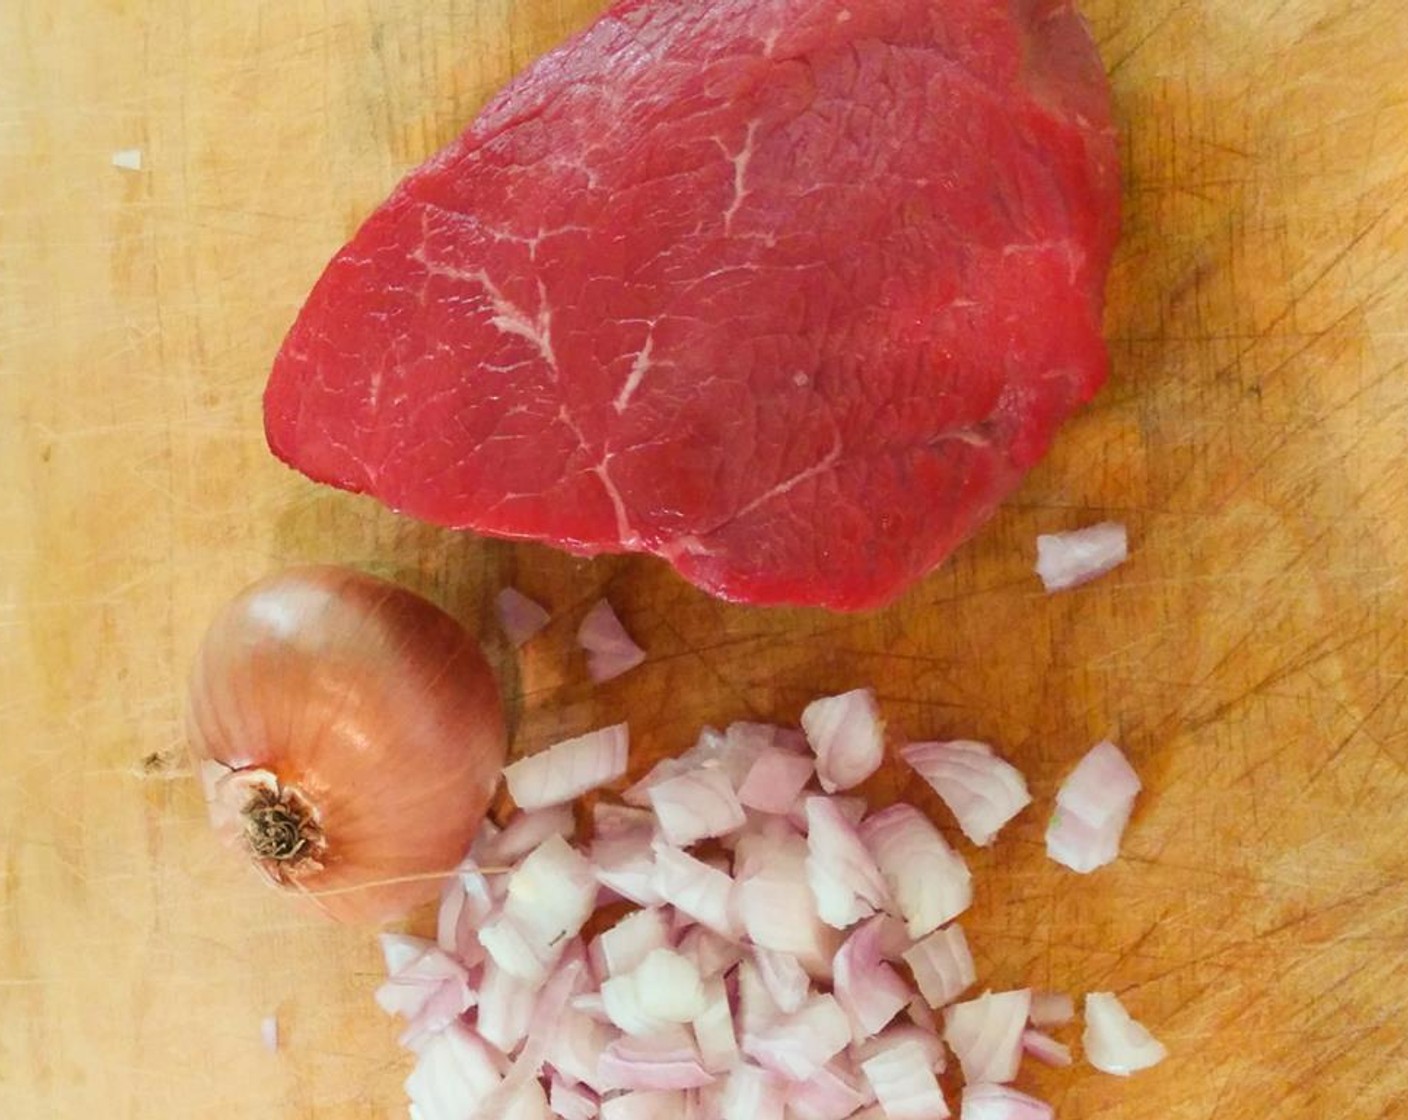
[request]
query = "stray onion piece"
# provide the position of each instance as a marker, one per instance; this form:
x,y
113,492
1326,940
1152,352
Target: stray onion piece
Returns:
x,y
348,734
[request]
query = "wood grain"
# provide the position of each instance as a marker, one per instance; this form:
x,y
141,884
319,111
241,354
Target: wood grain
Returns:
x,y
1251,656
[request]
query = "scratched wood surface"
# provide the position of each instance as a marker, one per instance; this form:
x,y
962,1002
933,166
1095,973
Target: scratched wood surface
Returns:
x,y
1251,656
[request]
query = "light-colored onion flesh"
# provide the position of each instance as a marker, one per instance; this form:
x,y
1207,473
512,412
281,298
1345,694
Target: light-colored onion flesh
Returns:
x,y
985,1034
1069,559
985,1101
1093,806
1114,1041
521,617
982,791
568,769
848,737
610,650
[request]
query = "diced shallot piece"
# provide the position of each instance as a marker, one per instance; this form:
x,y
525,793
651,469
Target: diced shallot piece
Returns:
x,y
1093,806
840,871
1046,1049
796,1046
777,907
667,1059
694,888
835,1092
714,1032
870,991
711,953
520,617
848,737
626,944
568,769
942,965
1114,1042
775,780
455,1074
982,791
269,1033
904,1082
1001,1102
610,650
1069,559
551,894
986,1034
753,1093
1051,1009
927,879
695,806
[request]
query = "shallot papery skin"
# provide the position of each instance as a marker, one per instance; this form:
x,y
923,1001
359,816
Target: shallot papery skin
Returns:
x,y
349,736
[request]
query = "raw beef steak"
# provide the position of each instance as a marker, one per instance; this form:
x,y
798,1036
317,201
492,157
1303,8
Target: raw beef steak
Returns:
x,y
788,292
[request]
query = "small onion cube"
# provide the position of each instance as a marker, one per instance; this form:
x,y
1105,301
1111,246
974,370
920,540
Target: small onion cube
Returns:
x,y
568,769
842,874
694,888
1069,559
775,780
1051,1009
1115,1042
926,1040
520,617
834,1093
870,991
752,1093
454,1073
942,965
927,879
904,1083
551,894
665,1060
505,1007
1093,806
986,1034
982,791
848,737
269,1033
575,1048
1046,1049
610,650
714,1030
797,1046
695,806
625,865
1001,1102
621,1000
626,944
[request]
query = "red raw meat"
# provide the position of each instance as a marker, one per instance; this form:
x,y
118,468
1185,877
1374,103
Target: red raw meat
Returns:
x,y
788,292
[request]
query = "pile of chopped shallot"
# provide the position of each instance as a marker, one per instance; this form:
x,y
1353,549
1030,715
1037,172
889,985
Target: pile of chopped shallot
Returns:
x,y
741,939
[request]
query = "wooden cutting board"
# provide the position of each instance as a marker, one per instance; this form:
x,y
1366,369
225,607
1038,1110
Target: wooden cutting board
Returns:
x,y
1251,656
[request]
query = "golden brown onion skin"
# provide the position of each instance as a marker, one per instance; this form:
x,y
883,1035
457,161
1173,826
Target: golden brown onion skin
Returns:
x,y
371,704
